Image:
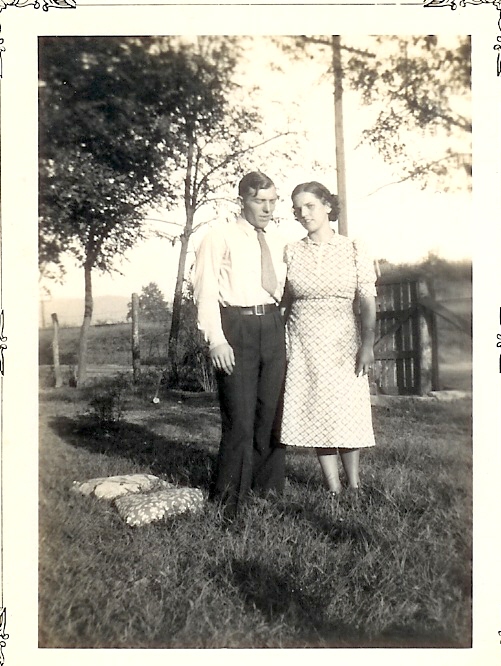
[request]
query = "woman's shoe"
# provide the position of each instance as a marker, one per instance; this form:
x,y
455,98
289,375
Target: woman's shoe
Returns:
x,y
354,494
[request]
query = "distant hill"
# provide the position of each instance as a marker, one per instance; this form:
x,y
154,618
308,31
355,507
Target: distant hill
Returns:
x,y
107,310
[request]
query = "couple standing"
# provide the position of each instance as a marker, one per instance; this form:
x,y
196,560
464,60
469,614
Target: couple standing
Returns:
x,y
245,278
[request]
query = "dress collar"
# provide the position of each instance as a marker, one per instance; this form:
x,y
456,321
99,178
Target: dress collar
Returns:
x,y
331,240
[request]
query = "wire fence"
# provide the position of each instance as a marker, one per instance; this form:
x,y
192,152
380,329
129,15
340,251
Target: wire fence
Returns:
x,y
110,349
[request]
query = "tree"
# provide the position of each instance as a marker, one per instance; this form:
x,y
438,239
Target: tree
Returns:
x,y
110,114
219,144
418,87
152,304
421,85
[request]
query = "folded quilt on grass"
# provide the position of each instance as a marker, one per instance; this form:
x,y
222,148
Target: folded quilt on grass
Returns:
x,y
110,487
145,508
141,499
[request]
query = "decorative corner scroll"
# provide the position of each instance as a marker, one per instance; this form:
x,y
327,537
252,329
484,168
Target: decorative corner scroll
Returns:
x,y
3,346
2,49
3,635
462,3
44,4
497,47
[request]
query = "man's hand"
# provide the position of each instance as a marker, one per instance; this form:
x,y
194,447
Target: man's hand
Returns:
x,y
223,358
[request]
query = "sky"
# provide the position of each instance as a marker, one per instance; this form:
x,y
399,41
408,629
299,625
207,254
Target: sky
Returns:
x,y
398,222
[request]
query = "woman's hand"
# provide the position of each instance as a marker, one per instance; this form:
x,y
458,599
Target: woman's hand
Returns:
x,y
365,356
365,360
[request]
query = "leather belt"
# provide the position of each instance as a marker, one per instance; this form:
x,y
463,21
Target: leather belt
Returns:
x,y
259,310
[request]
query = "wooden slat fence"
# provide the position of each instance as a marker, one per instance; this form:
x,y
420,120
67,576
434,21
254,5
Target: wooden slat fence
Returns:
x,y
397,347
406,344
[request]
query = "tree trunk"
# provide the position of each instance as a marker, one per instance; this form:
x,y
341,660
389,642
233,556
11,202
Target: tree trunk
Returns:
x,y
339,133
84,331
176,312
173,371
136,350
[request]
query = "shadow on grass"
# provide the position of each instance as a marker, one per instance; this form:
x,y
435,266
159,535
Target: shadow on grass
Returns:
x,y
305,610
186,420
279,597
186,464
343,520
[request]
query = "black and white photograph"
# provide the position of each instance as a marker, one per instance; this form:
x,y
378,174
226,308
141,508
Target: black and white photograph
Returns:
x,y
251,332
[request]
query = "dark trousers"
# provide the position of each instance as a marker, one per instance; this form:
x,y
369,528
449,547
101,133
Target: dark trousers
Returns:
x,y
250,455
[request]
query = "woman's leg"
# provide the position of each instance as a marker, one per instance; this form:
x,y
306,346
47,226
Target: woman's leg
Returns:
x,y
350,459
328,463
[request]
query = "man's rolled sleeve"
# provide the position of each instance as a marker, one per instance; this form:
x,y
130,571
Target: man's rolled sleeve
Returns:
x,y
206,287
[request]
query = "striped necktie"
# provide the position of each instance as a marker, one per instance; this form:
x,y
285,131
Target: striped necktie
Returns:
x,y
268,276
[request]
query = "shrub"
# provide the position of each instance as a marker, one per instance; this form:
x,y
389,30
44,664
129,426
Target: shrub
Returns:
x,y
195,368
109,405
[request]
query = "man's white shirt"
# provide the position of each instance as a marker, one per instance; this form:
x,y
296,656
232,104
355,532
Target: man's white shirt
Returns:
x,y
228,273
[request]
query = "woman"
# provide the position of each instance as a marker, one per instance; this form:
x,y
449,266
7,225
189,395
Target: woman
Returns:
x,y
330,348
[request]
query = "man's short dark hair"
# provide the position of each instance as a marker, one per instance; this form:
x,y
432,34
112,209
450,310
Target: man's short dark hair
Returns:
x,y
252,182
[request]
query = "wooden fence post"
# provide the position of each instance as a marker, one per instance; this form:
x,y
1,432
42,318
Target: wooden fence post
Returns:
x,y
55,351
428,344
136,351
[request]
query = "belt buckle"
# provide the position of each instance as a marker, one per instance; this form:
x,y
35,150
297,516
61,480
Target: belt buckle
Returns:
x,y
259,310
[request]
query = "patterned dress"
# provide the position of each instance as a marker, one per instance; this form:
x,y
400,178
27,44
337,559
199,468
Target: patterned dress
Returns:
x,y
325,403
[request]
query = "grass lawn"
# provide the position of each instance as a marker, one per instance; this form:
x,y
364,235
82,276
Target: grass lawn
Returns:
x,y
391,567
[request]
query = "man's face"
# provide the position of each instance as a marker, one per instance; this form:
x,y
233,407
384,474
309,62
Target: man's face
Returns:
x,y
258,208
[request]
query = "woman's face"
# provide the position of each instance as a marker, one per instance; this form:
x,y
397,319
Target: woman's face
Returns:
x,y
311,211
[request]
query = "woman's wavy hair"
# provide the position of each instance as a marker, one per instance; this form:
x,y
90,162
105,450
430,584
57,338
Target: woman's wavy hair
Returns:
x,y
322,193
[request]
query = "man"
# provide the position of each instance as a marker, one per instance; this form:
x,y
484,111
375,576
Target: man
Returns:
x,y
238,283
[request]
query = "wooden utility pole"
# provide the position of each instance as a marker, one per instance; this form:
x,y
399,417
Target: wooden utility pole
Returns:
x,y
136,351
339,133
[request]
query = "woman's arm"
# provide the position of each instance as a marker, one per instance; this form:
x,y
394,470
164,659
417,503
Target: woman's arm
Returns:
x,y
365,356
